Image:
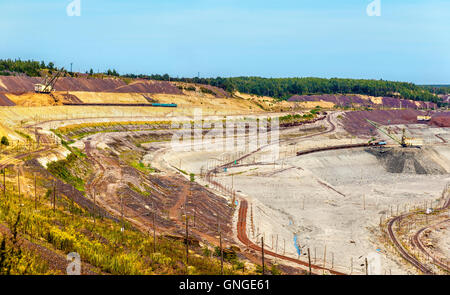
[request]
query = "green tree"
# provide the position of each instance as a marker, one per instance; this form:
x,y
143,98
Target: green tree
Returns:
x,y
5,141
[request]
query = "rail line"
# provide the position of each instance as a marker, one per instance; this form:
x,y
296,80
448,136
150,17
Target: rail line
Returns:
x,y
408,257
242,236
418,243
411,259
242,215
337,147
441,138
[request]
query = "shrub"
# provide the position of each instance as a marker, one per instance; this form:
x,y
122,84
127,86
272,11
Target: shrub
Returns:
x,y
228,254
5,141
275,270
207,91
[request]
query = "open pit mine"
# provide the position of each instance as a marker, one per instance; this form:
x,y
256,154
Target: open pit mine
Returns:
x,y
158,177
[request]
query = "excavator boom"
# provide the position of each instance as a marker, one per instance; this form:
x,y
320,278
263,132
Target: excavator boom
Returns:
x,y
378,127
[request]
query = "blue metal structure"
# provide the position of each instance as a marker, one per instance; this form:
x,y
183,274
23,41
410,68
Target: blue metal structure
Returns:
x,y
165,105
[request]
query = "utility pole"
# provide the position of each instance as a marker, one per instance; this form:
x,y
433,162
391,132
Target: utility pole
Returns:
x,y
309,262
35,194
276,245
351,265
94,208
154,227
54,196
367,267
195,211
18,181
4,182
187,243
123,221
332,260
262,254
221,253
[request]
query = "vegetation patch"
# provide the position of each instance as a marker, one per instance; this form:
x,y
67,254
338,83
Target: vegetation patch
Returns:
x,y
103,243
68,169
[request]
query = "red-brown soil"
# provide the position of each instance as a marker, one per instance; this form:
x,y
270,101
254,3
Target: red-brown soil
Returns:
x,y
5,101
20,84
168,194
441,119
355,122
349,100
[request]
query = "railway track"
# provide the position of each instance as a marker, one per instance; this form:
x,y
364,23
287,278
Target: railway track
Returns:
x,y
408,257
332,148
242,215
403,252
441,138
242,236
418,243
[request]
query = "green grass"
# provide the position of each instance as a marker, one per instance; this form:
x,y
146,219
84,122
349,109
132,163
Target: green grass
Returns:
x,y
62,170
24,135
142,167
137,190
16,259
300,118
182,171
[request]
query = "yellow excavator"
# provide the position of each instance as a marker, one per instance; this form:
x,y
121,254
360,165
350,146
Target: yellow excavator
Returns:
x,y
403,141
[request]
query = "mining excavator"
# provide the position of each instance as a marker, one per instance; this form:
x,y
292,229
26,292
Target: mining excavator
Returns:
x,y
404,141
49,84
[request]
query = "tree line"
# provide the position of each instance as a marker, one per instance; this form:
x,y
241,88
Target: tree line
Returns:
x,y
284,88
28,67
438,89
281,88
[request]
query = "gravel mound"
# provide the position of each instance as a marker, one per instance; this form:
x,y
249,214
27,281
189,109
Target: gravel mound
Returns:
x,y
407,160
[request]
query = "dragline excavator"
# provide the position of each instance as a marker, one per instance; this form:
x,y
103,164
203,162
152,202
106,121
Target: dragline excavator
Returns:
x,y
49,84
402,141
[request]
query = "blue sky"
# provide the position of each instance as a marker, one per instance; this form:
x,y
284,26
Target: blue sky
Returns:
x,y
410,41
